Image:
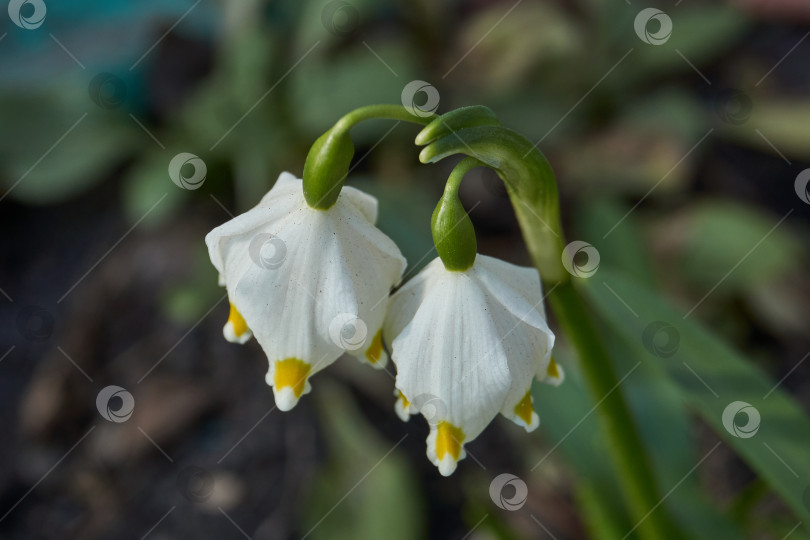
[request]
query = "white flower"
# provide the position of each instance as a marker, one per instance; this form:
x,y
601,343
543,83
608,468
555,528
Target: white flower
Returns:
x,y
467,346
308,284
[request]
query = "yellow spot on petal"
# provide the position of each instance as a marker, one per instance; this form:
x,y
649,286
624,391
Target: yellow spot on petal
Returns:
x,y
237,322
552,370
524,409
291,372
374,352
403,400
448,440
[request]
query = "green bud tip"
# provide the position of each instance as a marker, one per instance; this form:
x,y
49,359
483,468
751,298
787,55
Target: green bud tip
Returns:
x,y
326,168
453,231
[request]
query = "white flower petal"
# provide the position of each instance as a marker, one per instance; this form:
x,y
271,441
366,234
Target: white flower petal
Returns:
x,y
302,277
365,203
440,366
469,345
231,335
230,234
518,289
286,185
408,299
527,339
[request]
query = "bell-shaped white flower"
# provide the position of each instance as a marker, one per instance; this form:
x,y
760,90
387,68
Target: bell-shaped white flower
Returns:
x,y
467,345
309,284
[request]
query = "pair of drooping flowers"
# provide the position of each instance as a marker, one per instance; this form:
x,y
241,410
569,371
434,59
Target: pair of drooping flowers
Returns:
x,y
311,280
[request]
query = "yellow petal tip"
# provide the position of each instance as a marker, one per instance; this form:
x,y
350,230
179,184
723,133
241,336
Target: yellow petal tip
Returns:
x,y
289,381
236,329
447,447
402,406
449,439
375,351
553,370
554,373
524,414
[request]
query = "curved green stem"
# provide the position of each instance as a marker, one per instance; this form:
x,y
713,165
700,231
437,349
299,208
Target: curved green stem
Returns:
x,y
529,181
387,112
328,160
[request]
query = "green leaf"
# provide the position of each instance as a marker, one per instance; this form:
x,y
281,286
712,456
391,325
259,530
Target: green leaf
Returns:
x,y
721,234
622,249
711,377
663,423
665,429
149,193
700,33
343,75
776,123
61,144
654,400
568,422
602,521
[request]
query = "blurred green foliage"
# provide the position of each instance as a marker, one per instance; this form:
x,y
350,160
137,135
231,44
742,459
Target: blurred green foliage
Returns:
x,y
384,502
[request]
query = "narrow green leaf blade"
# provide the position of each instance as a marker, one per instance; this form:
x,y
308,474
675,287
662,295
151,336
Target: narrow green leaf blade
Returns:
x,y
714,380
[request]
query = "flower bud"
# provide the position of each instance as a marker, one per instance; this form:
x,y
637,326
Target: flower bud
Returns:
x,y
453,231
326,168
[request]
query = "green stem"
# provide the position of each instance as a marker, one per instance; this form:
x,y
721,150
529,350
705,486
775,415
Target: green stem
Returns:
x,y
328,160
387,112
624,442
528,177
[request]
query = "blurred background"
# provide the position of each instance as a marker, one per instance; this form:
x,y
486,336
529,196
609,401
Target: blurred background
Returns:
x,y
677,137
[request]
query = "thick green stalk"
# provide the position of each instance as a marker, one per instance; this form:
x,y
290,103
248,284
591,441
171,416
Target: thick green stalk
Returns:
x,y
624,442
